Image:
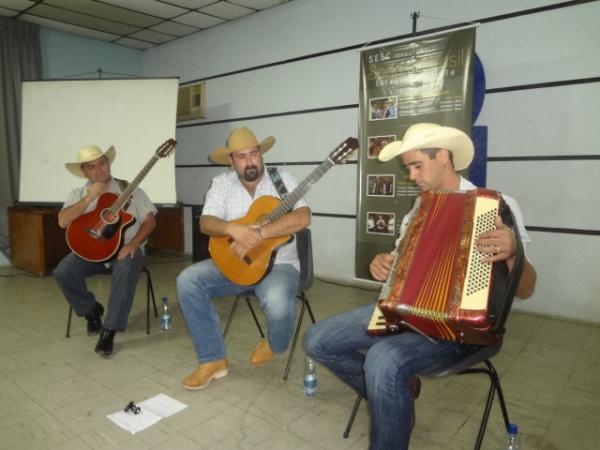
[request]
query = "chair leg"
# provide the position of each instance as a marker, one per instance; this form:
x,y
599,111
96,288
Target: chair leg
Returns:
x,y
496,380
305,305
494,387
69,322
230,316
304,299
149,295
352,416
262,335
294,341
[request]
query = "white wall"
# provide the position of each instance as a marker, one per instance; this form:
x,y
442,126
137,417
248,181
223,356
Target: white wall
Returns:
x,y
548,46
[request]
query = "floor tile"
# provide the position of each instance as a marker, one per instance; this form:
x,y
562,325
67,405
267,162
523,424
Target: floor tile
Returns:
x,y
55,392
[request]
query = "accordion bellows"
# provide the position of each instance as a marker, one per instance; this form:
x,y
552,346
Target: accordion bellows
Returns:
x,y
440,287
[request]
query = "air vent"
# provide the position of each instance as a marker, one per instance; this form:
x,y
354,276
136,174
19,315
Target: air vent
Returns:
x,y
190,102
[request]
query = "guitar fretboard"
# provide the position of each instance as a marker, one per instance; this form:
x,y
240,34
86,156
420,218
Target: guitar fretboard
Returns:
x,y
288,203
126,194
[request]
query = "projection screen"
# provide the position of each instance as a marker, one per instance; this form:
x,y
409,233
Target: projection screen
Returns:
x,y
60,117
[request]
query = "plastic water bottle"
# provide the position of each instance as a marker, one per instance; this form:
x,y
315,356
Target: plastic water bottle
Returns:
x,y
513,438
165,315
310,377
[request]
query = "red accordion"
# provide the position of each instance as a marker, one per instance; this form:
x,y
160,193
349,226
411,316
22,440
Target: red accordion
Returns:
x,y
438,285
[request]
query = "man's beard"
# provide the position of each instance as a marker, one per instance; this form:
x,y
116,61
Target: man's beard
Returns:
x,y
251,173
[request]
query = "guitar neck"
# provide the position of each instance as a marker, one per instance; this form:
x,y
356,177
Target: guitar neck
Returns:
x,y
126,194
288,203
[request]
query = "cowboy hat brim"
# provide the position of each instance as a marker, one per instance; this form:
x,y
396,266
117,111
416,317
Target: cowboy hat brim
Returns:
x,y
75,167
221,154
435,136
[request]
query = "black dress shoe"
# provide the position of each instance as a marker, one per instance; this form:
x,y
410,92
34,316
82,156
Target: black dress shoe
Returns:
x,y
104,347
94,320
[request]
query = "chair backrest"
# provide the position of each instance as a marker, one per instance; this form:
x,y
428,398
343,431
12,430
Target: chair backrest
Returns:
x,y
304,246
506,290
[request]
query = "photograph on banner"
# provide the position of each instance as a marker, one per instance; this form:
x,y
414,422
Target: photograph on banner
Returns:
x,y
424,79
376,143
381,222
383,108
381,185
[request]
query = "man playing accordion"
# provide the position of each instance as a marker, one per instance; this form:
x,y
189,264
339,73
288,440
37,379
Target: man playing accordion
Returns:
x,y
384,368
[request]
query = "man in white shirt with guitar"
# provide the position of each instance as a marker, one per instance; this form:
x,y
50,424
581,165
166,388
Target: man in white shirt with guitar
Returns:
x,y
241,252
116,248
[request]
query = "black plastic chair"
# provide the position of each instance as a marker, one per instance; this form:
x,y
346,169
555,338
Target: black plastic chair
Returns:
x,y
465,367
149,296
304,246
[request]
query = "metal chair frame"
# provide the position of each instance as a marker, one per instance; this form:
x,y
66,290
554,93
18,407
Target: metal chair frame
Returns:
x,y
464,367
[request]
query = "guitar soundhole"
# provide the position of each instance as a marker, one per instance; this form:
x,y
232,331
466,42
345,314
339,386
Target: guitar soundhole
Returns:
x,y
109,217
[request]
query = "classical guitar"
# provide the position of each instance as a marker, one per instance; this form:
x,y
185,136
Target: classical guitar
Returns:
x,y
256,263
97,236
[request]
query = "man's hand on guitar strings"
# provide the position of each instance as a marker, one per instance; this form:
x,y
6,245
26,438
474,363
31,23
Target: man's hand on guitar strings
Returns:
x,y
499,244
245,238
245,235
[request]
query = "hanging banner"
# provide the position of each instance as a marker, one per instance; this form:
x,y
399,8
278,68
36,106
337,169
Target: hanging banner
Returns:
x,y
428,79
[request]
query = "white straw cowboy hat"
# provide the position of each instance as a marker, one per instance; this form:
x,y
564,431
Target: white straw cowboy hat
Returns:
x,y
239,139
87,154
431,135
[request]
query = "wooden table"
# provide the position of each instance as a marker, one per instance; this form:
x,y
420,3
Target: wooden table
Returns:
x,y
38,243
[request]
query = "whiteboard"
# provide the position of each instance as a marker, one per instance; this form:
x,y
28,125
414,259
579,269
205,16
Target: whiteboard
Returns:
x,y
60,117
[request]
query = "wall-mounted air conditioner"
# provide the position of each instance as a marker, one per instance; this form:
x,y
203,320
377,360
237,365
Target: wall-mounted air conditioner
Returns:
x,y
190,102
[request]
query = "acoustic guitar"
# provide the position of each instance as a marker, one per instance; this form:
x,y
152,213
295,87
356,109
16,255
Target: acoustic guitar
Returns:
x,y
255,265
97,236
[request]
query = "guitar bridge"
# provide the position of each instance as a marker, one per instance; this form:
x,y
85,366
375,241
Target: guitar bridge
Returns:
x,y
95,234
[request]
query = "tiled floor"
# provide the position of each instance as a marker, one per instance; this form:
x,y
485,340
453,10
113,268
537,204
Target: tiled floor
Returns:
x,y
55,392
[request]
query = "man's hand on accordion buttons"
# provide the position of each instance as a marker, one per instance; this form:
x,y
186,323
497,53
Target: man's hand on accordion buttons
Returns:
x,y
380,266
499,244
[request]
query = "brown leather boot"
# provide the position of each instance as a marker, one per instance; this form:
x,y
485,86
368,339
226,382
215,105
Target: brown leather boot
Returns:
x,y
204,374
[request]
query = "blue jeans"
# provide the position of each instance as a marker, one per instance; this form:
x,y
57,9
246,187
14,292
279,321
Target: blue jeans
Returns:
x,y
72,271
202,282
378,368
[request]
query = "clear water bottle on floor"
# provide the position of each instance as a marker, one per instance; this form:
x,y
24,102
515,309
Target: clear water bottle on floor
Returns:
x,y
165,315
513,440
310,377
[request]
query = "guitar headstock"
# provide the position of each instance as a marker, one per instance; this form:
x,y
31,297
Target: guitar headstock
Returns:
x,y
344,150
166,148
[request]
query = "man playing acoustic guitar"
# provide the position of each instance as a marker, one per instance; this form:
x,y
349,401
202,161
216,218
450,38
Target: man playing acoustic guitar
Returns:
x,y
128,261
231,196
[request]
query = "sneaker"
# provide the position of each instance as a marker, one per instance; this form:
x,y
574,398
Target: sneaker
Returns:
x,y
414,384
261,354
94,320
204,374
